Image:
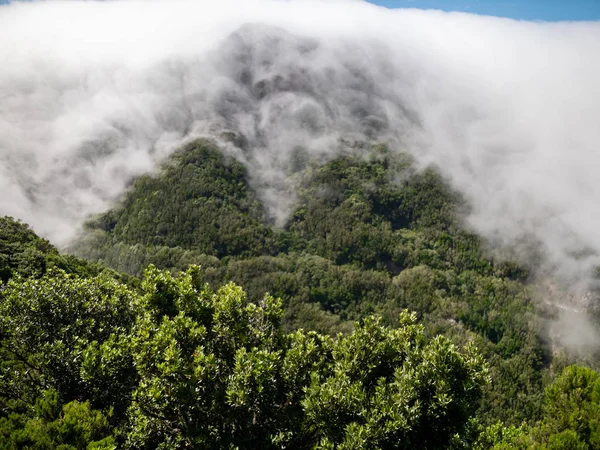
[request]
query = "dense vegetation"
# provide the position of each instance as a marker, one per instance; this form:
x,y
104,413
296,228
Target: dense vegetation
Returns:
x,y
368,235
174,357
90,363
24,254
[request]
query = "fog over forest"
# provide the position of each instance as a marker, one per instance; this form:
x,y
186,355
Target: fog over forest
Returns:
x,y
94,93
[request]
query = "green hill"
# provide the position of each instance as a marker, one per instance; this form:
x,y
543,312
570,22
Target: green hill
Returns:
x,y
368,234
94,357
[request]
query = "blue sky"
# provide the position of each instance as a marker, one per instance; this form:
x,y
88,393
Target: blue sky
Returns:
x,y
548,10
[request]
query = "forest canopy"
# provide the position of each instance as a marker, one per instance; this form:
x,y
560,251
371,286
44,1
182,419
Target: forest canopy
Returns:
x,y
372,319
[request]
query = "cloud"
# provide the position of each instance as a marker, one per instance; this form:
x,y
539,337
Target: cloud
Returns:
x,y
94,93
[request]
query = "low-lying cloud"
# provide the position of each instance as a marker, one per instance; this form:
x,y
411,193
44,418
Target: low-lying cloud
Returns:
x,y
93,93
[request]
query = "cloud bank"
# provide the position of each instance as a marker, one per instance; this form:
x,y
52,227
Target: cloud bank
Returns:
x,y
93,93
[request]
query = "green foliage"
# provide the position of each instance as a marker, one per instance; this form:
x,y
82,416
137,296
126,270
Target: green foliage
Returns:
x,y
201,201
350,209
498,437
572,408
390,389
216,371
571,417
73,426
21,250
172,362
368,234
89,363
23,253
48,323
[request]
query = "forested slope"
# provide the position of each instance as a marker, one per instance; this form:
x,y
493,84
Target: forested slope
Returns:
x,y
88,362
368,234
91,356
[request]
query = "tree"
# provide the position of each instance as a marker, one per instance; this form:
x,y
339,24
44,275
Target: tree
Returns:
x,y
572,407
571,418
216,371
48,324
73,426
88,361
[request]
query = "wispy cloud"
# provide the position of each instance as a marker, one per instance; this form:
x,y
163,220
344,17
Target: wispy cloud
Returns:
x,y
94,93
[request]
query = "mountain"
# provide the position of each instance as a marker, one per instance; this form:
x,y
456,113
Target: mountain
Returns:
x,y
367,234
272,228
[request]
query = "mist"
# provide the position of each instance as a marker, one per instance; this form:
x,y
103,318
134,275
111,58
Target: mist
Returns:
x,y
95,93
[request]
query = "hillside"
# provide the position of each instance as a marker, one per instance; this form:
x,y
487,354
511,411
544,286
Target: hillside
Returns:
x,y
368,234
299,224
144,358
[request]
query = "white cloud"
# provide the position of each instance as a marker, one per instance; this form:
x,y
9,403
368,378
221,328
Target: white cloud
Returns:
x,y
94,93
